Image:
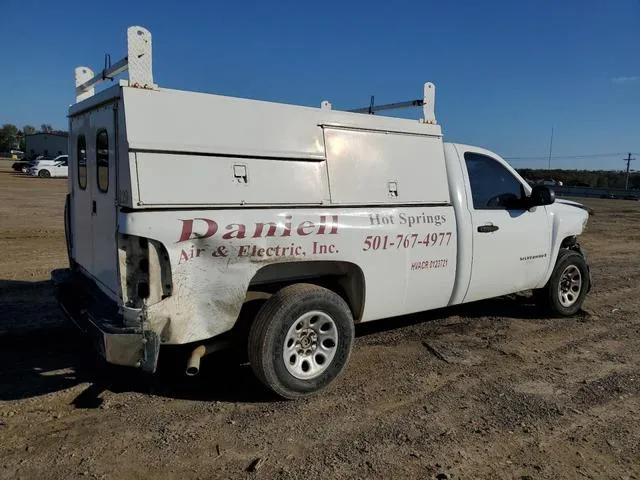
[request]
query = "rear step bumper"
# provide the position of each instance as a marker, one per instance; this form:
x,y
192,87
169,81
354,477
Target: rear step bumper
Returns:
x,y
104,325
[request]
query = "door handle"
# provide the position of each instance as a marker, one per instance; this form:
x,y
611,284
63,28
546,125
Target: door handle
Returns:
x,y
487,228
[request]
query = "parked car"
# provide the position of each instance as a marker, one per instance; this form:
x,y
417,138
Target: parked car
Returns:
x,y
58,167
26,163
20,165
549,182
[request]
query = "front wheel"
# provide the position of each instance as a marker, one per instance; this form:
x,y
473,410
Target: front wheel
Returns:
x,y
300,340
44,174
565,291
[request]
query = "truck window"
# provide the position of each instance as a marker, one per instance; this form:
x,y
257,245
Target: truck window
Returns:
x,y
102,160
81,161
493,187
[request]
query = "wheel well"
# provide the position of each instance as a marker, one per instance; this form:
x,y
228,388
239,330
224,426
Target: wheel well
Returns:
x,y
569,242
344,278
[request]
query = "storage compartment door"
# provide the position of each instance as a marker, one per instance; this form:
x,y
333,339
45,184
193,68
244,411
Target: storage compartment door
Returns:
x,y
371,167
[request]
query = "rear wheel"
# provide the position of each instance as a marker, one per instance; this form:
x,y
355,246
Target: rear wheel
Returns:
x,y
300,341
565,291
44,173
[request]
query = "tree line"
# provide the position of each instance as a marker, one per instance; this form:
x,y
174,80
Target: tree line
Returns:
x,y
13,138
584,178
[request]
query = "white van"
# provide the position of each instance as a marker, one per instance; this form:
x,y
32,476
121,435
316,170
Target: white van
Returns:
x,y
58,167
206,221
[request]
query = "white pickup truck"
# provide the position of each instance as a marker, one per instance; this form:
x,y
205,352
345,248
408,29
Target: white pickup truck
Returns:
x,y
202,220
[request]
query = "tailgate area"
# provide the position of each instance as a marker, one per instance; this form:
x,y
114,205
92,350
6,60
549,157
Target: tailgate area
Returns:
x,y
116,331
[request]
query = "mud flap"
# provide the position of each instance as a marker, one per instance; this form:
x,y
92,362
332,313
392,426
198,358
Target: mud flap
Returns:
x,y
583,252
151,351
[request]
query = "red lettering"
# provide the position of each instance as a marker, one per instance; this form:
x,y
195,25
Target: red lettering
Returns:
x,y
287,227
187,229
306,224
239,230
260,227
333,223
326,225
322,224
184,257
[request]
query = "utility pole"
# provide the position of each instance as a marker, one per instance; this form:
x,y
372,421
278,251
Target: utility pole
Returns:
x,y
550,148
628,160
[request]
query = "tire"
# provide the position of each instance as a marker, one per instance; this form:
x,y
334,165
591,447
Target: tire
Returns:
x,y
567,287
44,173
301,322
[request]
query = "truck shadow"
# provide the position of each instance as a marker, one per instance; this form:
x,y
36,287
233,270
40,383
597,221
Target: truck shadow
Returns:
x,y
41,353
517,306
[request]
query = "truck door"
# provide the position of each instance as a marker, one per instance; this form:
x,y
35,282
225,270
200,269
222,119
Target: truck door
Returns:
x,y
510,243
103,197
81,193
93,207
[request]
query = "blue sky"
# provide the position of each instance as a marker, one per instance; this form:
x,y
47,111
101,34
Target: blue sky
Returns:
x,y
505,71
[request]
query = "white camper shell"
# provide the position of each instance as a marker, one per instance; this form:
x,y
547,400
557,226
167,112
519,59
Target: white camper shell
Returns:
x,y
201,220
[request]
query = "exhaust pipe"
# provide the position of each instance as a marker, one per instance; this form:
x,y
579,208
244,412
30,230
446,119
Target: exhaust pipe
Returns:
x,y
193,365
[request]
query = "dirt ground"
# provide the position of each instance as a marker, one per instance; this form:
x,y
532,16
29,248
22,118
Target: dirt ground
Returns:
x,y
511,395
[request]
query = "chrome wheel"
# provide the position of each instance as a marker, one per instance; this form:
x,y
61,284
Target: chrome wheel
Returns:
x,y
310,345
570,286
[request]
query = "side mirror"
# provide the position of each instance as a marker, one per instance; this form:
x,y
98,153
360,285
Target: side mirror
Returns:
x,y
541,195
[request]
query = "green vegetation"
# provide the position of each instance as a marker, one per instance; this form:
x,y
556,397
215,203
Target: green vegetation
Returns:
x,y
12,138
584,178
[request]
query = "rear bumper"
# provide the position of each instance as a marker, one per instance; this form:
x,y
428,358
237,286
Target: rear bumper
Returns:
x,y
105,324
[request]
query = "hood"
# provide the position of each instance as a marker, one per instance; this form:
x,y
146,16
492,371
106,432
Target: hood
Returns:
x,y
574,204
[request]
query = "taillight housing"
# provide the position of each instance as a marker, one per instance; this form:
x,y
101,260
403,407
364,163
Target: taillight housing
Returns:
x,y
145,271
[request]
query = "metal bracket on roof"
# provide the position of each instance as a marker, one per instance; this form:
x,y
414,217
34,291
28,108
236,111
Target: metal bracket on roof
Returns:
x,y
138,62
427,103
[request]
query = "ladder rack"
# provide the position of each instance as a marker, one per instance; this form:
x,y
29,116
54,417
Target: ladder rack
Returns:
x,y
427,103
138,62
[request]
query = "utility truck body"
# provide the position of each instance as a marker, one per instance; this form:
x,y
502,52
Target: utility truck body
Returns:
x,y
198,219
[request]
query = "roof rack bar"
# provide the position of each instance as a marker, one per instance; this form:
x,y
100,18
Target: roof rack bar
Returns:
x,y
389,106
427,103
138,62
106,74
